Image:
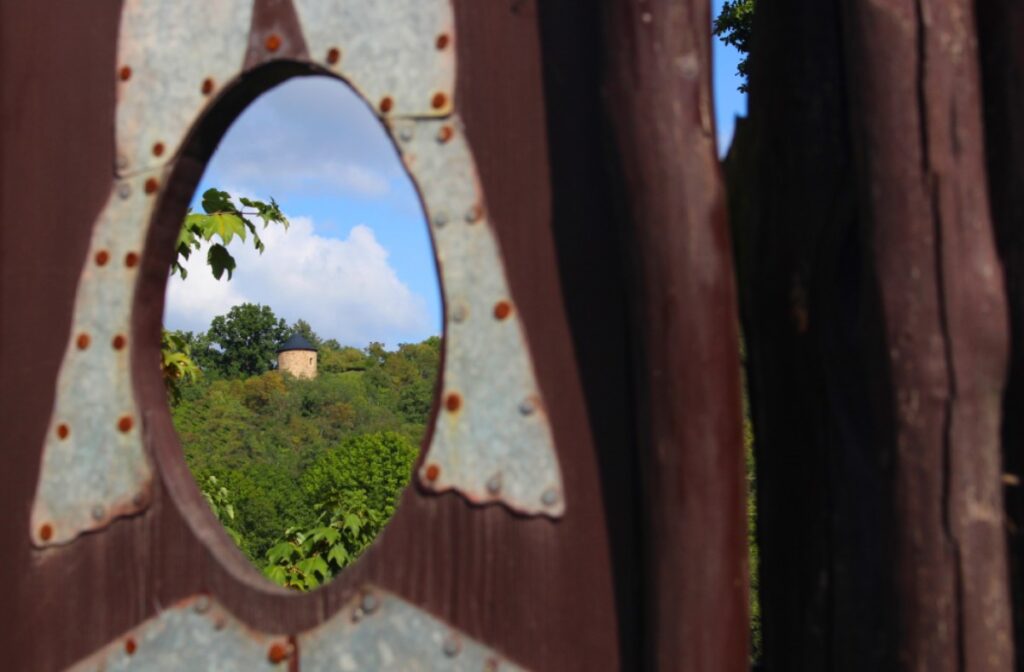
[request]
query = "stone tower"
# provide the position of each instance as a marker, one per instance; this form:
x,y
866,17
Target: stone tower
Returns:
x,y
297,356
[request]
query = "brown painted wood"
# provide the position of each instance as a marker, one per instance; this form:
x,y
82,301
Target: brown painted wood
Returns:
x,y
540,591
1000,26
686,369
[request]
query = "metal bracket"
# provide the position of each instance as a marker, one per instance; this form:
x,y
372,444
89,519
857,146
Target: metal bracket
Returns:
x,y
492,441
374,631
398,54
93,467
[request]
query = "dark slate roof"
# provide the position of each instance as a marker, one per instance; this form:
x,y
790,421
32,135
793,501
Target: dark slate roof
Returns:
x,y
296,342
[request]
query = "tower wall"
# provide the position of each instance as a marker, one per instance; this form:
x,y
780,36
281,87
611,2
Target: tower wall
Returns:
x,y
299,363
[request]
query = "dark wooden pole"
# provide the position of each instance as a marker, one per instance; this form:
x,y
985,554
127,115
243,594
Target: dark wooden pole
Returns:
x,y
658,100
916,122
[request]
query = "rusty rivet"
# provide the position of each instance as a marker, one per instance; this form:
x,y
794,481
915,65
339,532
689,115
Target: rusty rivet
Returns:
x,y
442,41
125,423
277,653
158,148
83,341
207,87
98,513
333,55
433,472
502,309
46,531
129,646
152,185
273,42
451,646
494,484
124,190
445,134
453,401
125,73
438,101
119,342
102,257
202,604
62,431
474,214
386,103
369,603
550,497
131,260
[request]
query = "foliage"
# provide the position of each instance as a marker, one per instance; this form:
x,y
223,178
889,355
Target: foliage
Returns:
x,y
219,499
734,26
176,363
355,489
222,219
290,451
246,340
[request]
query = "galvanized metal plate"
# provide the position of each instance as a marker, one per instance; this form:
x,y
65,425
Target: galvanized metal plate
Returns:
x,y
172,57
195,634
379,631
93,466
399,54
492,441
375,631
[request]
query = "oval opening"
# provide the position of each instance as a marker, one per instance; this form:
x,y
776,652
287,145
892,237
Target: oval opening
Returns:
x,y
302,331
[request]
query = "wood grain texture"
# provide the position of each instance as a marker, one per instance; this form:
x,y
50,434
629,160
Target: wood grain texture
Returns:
x,y
916,120
1000,26
686,370
537,590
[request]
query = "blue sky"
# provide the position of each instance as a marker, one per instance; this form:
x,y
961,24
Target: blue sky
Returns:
x,y
357,263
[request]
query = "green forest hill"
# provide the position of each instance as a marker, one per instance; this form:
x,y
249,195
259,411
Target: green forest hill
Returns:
x,y
302,473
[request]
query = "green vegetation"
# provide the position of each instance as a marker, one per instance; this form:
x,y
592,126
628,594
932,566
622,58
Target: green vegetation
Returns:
x,y
303,473
734,26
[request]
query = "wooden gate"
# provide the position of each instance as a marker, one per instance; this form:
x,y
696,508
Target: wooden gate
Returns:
x,y
618,276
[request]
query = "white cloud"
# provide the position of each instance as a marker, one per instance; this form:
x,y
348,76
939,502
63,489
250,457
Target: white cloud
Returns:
x,y
345,288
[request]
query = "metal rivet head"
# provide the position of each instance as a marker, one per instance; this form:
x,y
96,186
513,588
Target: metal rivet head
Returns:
x,y
131,260
46,531
125,424
474,214
386,103
273,42
118,342
83,341
405,133
550,497
527,406
139,499
158,149
121,162
440,219
102,257
130,646
442,41
202,604
151,186
333,55
445,133
207,87
125,73
460,313
124,190
98,512
369,603
453,402
451,646
494,484
277,652
63,431
433,472
439,100
502,309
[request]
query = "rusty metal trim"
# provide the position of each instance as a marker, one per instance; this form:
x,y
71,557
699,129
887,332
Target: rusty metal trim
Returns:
x,y
379,631
374,631
172,58
398,54
94,468
492,441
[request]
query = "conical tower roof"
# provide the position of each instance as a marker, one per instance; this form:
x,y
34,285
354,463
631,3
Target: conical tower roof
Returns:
x,y
296,342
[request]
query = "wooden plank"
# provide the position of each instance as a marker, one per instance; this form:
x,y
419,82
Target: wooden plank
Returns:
x,y
540,591
686,373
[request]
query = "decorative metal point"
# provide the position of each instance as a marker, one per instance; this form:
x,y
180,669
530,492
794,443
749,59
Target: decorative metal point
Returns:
x,y
98,512
494,484
527,407
550,497
369,603
451,646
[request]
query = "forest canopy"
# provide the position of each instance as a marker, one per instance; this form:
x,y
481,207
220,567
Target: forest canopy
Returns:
x,y
304,473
